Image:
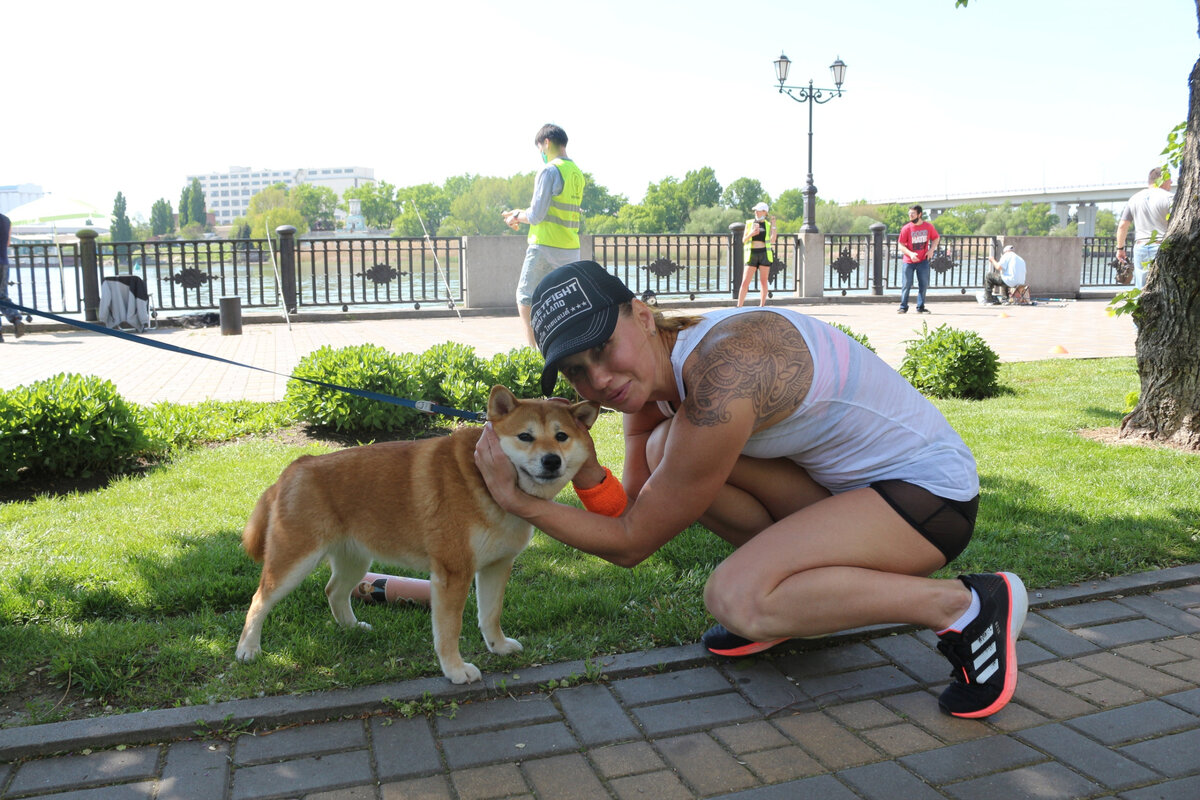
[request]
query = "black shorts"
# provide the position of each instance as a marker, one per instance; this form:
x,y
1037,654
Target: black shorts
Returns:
x,y
758,258
947,524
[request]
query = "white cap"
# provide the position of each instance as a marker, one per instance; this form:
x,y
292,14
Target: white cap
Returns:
x,y
760,206
1007,247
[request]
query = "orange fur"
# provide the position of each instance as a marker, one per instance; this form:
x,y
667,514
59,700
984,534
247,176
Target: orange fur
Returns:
x,y
422,504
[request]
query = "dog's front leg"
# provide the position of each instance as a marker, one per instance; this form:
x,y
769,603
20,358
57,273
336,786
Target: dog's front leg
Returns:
x,y
490,581
447,600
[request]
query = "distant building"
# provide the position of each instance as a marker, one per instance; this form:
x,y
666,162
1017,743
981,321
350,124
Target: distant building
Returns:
x,y
227,194
15,195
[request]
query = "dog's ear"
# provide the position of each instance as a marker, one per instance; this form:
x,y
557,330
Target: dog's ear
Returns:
x,y
501,402
586,413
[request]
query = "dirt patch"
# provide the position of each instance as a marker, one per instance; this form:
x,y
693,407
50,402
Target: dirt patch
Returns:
x,y
1112,436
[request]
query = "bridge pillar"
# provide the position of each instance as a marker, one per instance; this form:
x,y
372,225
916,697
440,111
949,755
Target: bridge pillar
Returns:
x,y
1062,210
1087,219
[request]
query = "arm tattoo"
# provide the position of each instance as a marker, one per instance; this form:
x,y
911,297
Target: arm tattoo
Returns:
x,y
760,356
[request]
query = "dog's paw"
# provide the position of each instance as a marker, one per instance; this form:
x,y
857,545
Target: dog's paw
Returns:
x,y
247,654
506,647
467,673
366,626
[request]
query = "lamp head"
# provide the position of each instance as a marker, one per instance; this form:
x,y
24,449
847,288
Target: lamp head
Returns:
x,y
838,68
782,65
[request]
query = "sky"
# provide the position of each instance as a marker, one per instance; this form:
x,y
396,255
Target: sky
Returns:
x,y
1004,95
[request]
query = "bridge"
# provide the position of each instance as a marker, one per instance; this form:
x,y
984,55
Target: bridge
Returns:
x,y
1060,198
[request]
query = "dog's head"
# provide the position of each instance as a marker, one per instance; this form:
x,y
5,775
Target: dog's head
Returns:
x,y
546,440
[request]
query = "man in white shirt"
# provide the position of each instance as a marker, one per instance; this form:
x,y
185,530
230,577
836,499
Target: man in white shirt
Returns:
x,y
1147,211
1007,273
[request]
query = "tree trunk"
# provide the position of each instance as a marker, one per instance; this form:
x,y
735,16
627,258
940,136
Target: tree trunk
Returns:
x,y
1168,314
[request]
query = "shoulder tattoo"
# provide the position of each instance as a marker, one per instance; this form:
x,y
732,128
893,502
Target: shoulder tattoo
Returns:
x,y
760,356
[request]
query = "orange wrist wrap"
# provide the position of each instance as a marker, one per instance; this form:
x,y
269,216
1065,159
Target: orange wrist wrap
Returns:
x,y
607,497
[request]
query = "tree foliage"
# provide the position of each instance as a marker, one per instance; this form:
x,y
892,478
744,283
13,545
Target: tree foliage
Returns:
x,y
162,218
316,204
742,194
185,207
197,210
122,230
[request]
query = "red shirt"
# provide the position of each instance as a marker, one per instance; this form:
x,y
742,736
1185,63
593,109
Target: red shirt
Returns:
x,y
917,236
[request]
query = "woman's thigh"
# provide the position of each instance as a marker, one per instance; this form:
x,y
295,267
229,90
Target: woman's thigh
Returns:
x,y
757,493
856,529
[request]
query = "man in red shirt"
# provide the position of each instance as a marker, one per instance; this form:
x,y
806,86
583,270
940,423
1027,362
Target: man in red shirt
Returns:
x,y
918,239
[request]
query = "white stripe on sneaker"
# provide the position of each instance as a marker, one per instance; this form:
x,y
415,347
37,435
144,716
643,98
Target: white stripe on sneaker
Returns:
x,y
982,658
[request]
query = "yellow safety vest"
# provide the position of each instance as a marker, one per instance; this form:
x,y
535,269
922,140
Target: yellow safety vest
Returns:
x,y
750,245
560,228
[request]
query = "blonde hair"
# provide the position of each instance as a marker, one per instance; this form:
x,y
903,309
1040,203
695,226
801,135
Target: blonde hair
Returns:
x,y
664,322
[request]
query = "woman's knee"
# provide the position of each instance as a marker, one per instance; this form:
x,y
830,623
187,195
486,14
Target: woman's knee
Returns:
x,y
731,599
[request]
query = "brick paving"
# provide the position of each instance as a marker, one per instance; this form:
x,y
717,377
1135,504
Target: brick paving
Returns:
x,y
1107,706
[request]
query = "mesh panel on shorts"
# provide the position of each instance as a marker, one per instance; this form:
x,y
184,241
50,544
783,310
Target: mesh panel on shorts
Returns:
x,y
947,524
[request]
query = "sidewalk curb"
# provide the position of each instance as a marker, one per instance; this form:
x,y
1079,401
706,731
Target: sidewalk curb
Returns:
x,y
272,712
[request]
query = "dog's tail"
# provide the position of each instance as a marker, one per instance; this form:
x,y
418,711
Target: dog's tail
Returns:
x,y
254,535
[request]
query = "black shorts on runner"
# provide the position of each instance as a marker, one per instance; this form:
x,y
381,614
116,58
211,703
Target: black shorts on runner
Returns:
x,y
947,524
758,258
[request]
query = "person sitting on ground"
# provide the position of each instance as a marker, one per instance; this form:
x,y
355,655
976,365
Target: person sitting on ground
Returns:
x,y
840,486
1007,273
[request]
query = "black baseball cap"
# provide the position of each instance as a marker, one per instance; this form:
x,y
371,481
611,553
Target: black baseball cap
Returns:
x,y
574,309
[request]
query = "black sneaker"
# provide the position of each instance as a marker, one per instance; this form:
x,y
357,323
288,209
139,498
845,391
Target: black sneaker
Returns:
x,y
18,328
720,641
902,311
984,654
922,310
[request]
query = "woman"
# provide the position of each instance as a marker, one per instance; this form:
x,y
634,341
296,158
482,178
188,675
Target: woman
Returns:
x,y
841,487
759,244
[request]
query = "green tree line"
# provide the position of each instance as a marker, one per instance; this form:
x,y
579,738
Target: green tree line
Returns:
x,y
471,205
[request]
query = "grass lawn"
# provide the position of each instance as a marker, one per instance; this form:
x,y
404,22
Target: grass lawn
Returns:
x,y
133,596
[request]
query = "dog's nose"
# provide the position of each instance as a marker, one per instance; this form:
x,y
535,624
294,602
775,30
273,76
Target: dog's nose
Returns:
x,y
551,462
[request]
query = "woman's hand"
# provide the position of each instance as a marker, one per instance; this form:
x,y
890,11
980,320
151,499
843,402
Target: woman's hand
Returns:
x,y
499,474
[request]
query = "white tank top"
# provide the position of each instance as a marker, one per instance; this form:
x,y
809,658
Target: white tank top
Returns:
x,y
861,421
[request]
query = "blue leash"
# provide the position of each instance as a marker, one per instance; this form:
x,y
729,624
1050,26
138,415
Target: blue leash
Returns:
x,y
420,405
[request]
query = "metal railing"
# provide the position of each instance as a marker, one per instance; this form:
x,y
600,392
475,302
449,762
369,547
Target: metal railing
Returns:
x,y
364,272
195,275
379,272
960,262
46,276
657,265
1099,262
848,264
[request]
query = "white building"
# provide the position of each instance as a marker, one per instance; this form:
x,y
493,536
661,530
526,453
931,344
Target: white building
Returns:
x,y
227,194
18,194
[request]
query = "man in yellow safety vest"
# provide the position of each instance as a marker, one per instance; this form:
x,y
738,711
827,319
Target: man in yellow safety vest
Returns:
x,y
554,216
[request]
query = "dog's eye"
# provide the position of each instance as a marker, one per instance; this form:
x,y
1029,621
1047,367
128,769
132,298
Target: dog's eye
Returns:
x,y
525,437
561,437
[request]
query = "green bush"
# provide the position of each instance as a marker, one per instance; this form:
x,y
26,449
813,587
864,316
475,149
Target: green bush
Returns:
x,y
858,337
452,374
368,367
520,369
68,426
172,427
947,362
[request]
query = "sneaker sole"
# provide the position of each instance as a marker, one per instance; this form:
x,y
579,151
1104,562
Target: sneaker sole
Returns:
x,y
1018,607
747,649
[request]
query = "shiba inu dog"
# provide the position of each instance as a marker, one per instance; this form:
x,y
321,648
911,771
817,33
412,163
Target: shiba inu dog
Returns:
x,y
422,504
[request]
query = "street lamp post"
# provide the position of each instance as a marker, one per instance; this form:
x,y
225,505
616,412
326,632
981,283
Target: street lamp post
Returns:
x,y
810,95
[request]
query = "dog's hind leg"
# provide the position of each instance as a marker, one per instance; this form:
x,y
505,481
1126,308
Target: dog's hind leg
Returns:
x,y
490,581
348,562
448,598
273,586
